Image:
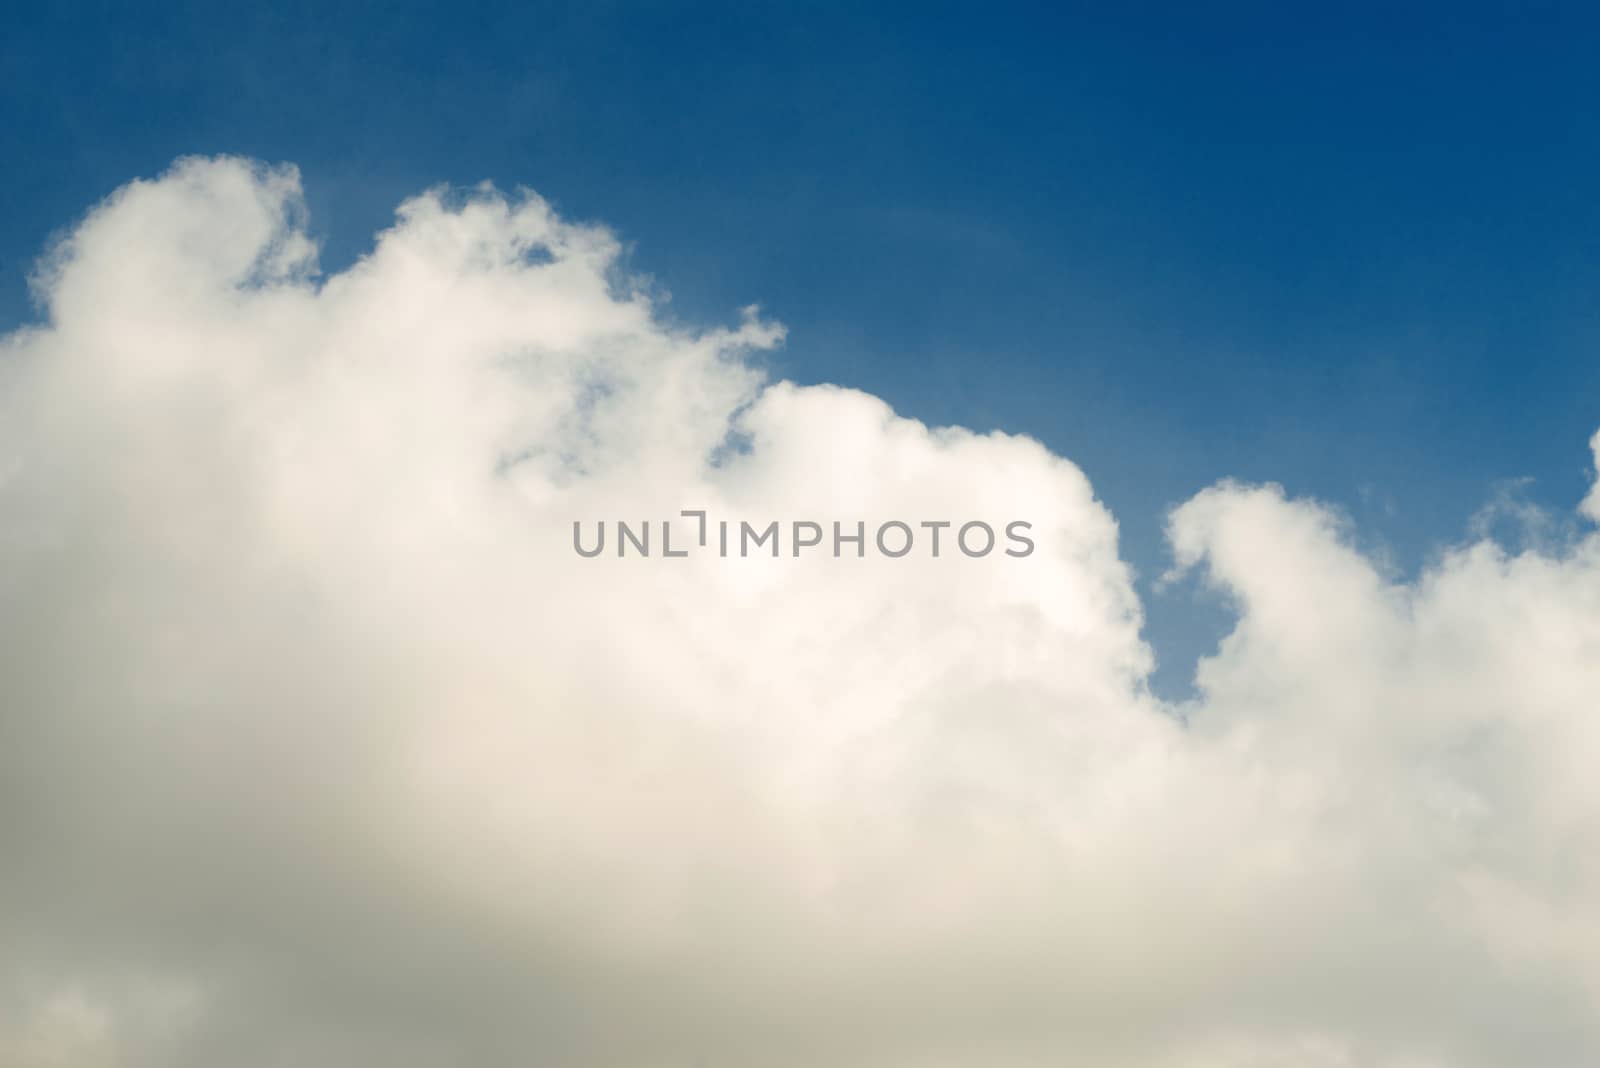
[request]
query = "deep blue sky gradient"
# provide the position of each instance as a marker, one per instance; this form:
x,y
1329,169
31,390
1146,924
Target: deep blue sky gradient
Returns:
x,y
1351,248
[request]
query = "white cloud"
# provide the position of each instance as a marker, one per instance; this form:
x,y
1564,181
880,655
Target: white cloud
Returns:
x,y
1591,504
321,746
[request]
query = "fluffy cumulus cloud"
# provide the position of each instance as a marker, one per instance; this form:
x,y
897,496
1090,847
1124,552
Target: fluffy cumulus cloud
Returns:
x,y
320,745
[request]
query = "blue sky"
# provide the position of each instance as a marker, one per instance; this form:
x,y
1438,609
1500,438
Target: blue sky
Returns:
x,y
320,745
1350,250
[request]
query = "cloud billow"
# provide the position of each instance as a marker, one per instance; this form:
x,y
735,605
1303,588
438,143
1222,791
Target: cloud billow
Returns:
x,y
319,745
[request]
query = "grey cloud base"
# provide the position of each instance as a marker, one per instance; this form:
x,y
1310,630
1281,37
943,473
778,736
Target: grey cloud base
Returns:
x,y
319,747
